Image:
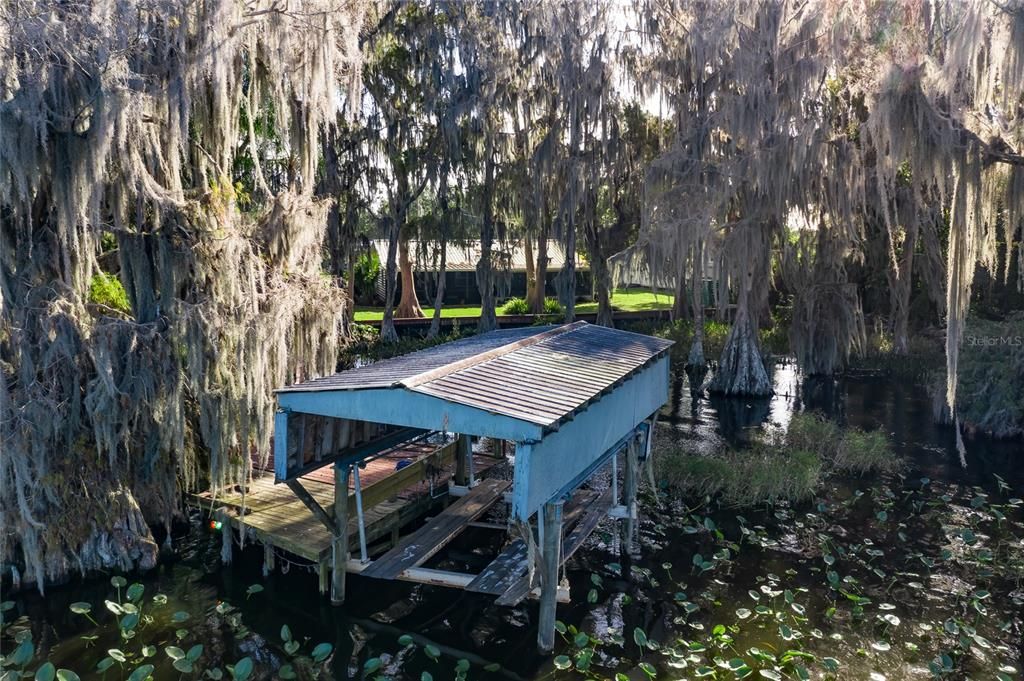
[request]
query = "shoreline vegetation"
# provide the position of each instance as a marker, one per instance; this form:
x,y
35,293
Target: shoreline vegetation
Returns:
x,y
781,467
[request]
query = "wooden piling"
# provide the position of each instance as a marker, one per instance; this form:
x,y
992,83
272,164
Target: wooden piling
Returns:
x,y
629,485
339,545
323,574
463,460
551,559
226,537
268,559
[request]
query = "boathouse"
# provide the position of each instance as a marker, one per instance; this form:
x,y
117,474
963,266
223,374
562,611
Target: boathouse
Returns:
x,y
568,411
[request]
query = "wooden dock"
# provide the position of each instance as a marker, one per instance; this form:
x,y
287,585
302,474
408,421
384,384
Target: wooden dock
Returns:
x,y
400,487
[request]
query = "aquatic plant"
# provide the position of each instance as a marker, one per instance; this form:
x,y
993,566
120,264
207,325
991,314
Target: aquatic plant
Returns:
x,y
883,581
142,624
780,468
761,474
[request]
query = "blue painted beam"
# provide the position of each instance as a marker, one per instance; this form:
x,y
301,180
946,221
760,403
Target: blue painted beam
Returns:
x,y
281,445
544,469
402,407
347,456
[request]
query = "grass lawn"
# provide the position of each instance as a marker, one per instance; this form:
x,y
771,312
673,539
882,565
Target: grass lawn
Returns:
x,y
626,300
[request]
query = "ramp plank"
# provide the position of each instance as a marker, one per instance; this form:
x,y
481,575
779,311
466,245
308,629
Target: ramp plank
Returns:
x,y
519,588
418,547
511,564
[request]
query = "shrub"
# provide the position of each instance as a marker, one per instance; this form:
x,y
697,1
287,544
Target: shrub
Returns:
x,y
366,270
515,306
552,306
107,290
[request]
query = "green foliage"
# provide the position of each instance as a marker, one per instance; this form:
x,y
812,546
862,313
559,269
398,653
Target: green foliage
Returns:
x,y
552,306
744,477
366,344
924,356
790,468
108,242
150,624
366,271
108,291
990,393
520,306
773,340
515,306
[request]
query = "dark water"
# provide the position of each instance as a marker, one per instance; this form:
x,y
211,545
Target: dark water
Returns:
x,y
664,595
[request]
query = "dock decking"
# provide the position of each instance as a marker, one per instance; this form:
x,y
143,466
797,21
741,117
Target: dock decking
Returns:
x,y
392,497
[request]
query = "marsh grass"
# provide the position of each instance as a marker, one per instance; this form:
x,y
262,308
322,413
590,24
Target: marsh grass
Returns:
x,y
744,477
788,468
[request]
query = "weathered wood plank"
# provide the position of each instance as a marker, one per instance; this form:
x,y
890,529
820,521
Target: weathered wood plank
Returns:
x,y
587,524
417,548
510,566
313,505
593,513
503,572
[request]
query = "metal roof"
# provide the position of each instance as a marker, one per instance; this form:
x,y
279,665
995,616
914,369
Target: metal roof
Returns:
x,y
542,375
463,256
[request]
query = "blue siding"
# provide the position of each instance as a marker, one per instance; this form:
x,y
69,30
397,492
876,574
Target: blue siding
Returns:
x,y
545,469
406,408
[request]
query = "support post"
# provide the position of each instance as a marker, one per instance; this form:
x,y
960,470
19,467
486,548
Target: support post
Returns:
x,y
551,559
629,492
464,461
649,457
615,479
322,571
339,546
268,558
359,514
226,537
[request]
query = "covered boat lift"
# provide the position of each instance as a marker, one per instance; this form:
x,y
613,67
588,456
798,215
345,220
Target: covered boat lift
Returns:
x,y
569,398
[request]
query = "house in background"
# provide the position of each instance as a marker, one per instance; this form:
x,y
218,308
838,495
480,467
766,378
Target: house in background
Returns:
x,y
460,270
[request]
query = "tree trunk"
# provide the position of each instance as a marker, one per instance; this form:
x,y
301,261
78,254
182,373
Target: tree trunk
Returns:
x,y
350,289
485,267
531,268
722,293
409,305
900,288
599,274
536,301
696,358
435,322
741,370
388,334
569,274
678,311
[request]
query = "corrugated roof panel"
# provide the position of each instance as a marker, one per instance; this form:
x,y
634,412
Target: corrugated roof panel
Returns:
x,y
553,376
388,372
538,374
